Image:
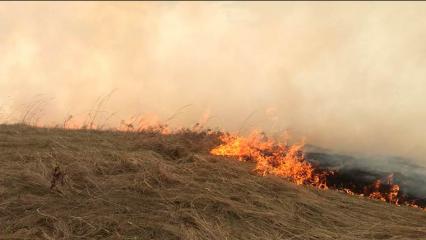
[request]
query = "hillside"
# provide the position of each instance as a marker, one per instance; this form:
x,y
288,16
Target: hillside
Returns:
x,y
84,184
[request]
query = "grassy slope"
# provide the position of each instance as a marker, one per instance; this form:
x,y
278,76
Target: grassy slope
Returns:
x,y
148,186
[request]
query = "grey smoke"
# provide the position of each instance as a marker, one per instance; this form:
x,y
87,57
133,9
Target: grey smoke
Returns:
x,y
348,76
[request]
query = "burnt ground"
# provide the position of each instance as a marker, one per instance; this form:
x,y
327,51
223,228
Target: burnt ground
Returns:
x,y
359,174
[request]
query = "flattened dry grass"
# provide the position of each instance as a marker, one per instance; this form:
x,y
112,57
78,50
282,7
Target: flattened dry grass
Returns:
x,y
149,186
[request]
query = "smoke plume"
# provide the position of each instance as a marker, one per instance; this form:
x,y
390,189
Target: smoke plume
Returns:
x,y
348,76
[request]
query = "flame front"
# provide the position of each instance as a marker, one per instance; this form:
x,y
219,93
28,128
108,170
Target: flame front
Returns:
x,y
288,161
271,158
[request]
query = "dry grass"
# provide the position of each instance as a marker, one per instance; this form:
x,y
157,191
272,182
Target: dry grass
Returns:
x,y
114,185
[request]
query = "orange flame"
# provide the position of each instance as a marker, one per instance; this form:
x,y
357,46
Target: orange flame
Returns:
x,y
288,161
271,157
391,195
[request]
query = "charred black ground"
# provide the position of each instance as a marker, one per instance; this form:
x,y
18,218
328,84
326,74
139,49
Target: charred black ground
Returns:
x,y
358,175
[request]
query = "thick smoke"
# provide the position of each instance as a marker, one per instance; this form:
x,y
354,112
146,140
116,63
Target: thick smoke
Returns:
x,y
347,76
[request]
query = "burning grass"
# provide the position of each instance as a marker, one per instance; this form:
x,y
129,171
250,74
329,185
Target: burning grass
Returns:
x,y
288,161
270,157
86,184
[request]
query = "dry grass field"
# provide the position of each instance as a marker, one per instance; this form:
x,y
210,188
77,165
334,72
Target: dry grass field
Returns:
x,y
85,184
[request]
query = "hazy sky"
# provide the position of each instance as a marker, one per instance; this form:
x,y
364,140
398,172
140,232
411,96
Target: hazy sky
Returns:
x,y
350,76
